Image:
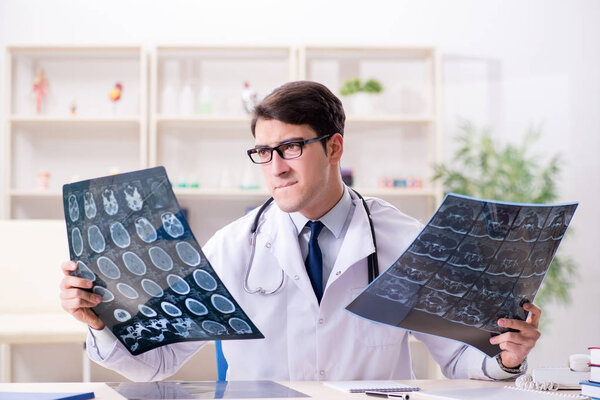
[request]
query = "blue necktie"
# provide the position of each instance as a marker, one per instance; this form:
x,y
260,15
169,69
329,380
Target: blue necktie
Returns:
x,y
314,261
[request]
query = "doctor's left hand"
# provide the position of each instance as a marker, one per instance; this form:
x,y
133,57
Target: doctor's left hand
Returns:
x,y
517,345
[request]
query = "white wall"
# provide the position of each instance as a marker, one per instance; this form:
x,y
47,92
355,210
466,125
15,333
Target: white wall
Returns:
x,y
543,55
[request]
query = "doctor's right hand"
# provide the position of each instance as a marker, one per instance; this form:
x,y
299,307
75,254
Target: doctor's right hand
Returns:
x,y
76,301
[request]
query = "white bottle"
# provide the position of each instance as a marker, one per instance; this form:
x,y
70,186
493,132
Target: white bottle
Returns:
x,y
170,88
186,97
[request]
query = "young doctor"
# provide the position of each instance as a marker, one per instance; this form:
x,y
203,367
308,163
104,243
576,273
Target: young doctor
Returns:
x,y
296,278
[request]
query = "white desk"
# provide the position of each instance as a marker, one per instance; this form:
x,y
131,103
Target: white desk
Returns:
x,y
313,389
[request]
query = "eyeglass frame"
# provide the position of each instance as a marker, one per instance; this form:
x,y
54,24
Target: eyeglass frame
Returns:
x,y
302,143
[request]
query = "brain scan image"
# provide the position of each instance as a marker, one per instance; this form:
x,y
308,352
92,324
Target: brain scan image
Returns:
x,y
119,235
187,253
89,205
556,223
73,208
494,221
469,313
457,216
152,288
540,257
84,272
160,258
178,284
528,224
474,254
77,241
510,259
108,268
454,281
474,262
105,293
145,230
435,302
240,325
110,202
492,289
415,268
95,239
172,225
435,243
157,287
398,290
133,198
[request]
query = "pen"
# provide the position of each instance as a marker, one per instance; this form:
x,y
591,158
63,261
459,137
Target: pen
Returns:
x,y
403,396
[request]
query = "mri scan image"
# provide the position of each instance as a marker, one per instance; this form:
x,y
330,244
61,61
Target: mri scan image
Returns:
x,y
474,262
129,237
494,221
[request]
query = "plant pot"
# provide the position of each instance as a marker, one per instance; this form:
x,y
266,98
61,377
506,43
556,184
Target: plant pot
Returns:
x,y
363,103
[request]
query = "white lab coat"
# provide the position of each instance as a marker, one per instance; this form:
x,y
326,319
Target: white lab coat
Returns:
x,y
302,340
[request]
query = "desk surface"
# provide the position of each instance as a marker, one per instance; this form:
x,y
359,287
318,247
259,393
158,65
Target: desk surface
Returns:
x,y
313,389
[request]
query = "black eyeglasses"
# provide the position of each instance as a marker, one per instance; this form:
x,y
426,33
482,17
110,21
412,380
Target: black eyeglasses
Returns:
x,y
286,150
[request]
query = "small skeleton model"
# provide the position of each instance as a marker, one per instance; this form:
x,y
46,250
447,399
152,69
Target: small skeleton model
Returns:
x,y
40,89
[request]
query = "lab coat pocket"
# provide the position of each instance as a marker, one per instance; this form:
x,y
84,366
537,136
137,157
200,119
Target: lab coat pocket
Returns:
x,y
372,333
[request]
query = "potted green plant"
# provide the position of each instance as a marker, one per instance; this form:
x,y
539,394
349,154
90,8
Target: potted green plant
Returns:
x,y
483,167
361,94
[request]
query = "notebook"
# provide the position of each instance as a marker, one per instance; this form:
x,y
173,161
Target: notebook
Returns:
x,y
370,386
500,393
45,396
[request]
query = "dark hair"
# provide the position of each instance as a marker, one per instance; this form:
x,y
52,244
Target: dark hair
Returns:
x,y
303,102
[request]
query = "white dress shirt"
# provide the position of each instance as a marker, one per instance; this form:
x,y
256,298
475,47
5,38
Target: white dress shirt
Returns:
x,y
330,239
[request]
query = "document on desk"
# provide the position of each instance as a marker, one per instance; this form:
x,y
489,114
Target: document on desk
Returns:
x,y
129,236
498,393
474,262
205,390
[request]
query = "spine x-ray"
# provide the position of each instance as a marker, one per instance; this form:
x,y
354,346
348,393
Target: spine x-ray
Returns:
x,y
129,237
474,262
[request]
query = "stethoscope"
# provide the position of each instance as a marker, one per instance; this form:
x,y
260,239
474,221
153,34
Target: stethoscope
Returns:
x,y
373,265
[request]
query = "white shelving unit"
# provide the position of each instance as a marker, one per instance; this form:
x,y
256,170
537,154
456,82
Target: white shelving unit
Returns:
x,y
187,114
199,129
98,137
399,137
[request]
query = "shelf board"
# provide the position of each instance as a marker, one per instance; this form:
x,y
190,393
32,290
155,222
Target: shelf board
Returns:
x,y
241,193
27,193
225,119
200,119
390,119
56,119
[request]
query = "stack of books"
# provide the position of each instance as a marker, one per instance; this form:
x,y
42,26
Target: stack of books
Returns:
x,y
591,388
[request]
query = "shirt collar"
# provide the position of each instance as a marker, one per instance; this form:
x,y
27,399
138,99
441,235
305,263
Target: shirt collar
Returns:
x,y
334,220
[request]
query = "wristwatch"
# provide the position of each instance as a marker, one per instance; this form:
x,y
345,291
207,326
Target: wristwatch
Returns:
x,y
517,370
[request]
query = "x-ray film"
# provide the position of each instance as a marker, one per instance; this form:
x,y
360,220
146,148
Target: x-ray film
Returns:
x,y
474,262
130,238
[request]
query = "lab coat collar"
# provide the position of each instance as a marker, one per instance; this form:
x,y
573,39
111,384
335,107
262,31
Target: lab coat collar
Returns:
x,y
282,240
357,245
283,243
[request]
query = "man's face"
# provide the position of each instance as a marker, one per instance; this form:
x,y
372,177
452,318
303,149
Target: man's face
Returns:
x,y
299,184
